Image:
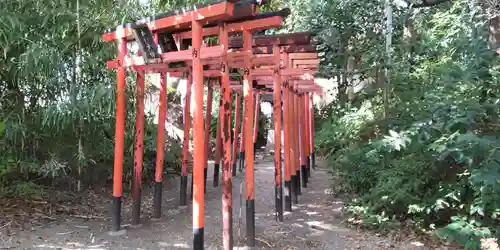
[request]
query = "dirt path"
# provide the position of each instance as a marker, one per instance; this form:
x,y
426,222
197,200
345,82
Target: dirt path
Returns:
x,y
314,224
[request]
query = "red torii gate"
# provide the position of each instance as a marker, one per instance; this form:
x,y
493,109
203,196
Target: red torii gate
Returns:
x,y
148,34
303,87
295,91
308,60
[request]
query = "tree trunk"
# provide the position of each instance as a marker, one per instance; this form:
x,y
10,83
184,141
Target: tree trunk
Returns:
x,y
342,76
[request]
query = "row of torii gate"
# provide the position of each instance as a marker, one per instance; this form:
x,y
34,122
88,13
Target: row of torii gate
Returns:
x,y
172,44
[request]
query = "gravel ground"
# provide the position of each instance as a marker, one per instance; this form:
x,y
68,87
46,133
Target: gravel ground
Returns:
x,y
315,223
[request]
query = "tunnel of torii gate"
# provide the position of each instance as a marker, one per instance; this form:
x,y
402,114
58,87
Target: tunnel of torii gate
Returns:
x,y
172,44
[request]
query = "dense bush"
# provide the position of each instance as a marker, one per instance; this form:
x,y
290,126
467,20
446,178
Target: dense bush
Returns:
x,y
428,155
57,97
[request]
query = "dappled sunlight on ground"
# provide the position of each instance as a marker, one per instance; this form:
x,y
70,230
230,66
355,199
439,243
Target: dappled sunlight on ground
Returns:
x,y
72,246
314,223
173,245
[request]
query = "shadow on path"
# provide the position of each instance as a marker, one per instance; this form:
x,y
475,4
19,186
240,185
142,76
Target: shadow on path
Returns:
x,y
313,224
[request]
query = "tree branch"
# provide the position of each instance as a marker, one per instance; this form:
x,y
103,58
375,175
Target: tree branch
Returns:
x,y
427,3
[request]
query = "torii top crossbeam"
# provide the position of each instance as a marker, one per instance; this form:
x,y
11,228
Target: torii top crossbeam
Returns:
x,y
176,21
239,15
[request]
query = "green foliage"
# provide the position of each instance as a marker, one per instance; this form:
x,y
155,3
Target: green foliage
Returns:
x,y
57,99
465,232
22,189
435,161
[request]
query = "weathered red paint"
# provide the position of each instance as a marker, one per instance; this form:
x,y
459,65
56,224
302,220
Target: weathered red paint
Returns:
x,y
227,187
187,128
236,134
214,12
208,119
256,117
